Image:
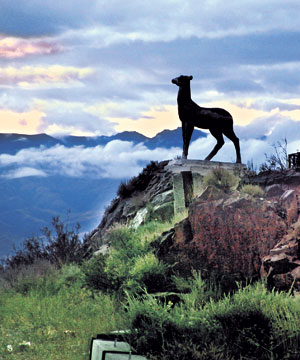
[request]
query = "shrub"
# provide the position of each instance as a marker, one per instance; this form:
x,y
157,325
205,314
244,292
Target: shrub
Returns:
x,y
196,291
253,190
221,179
27,277
71,275
252,323
59,245
64,246
110,272
278,160
129,265
149,273
96,276
137,183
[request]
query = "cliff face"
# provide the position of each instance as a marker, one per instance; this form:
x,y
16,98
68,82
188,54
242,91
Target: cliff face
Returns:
x,y
228,235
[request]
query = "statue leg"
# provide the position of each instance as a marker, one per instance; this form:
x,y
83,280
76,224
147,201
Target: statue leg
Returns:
x,y
220,142
231,135
187,131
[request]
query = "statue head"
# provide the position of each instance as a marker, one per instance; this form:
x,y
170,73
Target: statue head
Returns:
x,y
182,80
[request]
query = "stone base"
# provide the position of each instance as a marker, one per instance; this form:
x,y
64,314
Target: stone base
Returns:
x,y
188,176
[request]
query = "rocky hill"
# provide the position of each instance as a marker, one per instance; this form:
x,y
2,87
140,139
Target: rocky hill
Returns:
x,y
228,235
149,195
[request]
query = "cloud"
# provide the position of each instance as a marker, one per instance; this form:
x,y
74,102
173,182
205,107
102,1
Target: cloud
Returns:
x,y
71,117
122,159
118,159
39,76
159,20
13,48
115,59
23,172
31,18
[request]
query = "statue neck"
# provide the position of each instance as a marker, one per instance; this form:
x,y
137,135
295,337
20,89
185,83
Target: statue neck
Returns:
x,y
184,94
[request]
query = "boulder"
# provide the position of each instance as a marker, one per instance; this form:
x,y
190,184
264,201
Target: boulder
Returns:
x,y
281,267
290,201
163,197
275,190
163,212
139,218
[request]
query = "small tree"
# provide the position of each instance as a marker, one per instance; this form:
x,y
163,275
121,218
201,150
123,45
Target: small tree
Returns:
x,y
64,246
59,245
277,161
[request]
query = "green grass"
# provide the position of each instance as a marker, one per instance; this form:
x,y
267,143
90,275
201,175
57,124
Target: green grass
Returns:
x,y
59,317
50,313
58,325
153,229
252,323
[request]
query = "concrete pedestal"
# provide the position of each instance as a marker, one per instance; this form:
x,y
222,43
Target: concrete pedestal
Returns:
x,y
188,176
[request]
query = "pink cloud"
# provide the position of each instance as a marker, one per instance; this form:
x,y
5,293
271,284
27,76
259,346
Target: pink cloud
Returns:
x,y
12,48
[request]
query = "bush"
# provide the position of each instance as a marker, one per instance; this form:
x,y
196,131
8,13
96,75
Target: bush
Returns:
x,y
96,276
221,179
130,265
27,277
149,273
110,272
253,190
64,246
252,323
196,291
58,245
278,160
137,183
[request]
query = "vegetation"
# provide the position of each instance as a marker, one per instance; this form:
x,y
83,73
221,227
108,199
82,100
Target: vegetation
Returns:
x,y
252,323
253,190
279,159
131,264
52,316
51,310
57,245
137,183
221,179
55,296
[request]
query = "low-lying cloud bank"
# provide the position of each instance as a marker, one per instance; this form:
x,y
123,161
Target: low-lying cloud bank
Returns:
x,y
122,159
118,159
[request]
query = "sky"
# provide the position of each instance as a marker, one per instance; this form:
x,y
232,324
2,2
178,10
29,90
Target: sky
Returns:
x,y
101,67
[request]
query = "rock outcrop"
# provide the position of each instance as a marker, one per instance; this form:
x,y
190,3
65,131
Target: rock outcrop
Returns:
x,y
225,235
149,195
288,179
282,265
230,236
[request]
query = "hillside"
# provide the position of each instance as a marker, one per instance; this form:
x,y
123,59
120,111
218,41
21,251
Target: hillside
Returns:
x,y
221,225
202,284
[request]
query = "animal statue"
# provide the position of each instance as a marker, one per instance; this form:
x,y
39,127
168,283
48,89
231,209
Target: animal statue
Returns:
x,y
218,121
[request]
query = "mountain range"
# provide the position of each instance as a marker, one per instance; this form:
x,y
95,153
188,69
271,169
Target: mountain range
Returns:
x,y
28,203
12,143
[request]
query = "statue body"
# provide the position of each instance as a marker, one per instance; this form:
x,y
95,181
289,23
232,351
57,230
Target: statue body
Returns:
x,y
218,121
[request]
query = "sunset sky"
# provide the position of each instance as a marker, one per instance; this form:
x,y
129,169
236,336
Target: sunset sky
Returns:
x,y
100,67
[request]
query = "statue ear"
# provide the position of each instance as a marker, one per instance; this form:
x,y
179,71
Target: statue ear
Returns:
x,y
191,78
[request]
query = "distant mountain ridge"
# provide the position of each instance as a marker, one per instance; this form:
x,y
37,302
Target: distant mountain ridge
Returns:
x,y
12,143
